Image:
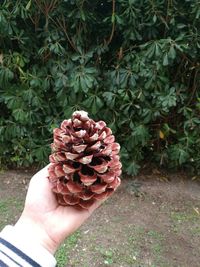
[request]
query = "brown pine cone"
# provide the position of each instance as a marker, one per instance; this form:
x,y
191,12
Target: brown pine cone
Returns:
x,y
85,164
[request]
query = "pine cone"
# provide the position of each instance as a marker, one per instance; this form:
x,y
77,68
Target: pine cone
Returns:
x,y
85,164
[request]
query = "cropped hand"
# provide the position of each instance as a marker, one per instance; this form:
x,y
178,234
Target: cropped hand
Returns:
x,y
43,220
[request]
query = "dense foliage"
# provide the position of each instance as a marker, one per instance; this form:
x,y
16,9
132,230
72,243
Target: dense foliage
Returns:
x,y
133,63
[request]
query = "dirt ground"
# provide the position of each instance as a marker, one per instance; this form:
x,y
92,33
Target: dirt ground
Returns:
x,y
157,224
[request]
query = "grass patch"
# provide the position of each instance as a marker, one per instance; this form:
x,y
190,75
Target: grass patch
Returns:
x,y
115,256
10,203
152,241
156,246
127,253
9,209
3,207
195,231
155,235
107,254
62,255
182,219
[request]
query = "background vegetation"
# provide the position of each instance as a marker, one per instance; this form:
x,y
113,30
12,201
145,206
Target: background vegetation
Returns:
x,y
133,63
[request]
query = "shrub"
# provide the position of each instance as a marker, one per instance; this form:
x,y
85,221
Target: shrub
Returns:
x,y
132,63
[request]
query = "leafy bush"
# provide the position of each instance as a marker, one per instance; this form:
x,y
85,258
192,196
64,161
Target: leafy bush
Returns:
x,y
133,63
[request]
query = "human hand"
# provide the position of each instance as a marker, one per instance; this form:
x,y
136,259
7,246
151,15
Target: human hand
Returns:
x,y
43,220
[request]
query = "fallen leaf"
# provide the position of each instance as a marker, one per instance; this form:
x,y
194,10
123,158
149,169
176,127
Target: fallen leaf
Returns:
x,y
196,210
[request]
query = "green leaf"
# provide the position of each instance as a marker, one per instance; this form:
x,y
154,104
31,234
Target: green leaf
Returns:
x,y
179,154
165,60
41,153
109,98
139,135
145,81
19,114
28,5
172,52
6,75
133,168
154,18
94,103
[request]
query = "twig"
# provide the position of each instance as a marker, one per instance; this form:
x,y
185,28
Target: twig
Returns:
x,y
194,87
46,8
113,24
64,28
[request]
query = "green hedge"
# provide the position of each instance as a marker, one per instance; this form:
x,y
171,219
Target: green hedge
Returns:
x,y
133,63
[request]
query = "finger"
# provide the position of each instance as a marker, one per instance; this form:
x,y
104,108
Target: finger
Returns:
x,y
40,190
39,184
42,173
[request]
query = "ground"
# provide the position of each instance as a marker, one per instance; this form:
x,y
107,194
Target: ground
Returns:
x,y
155,226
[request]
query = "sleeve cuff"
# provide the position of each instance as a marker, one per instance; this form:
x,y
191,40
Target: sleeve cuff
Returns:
x,y
35,251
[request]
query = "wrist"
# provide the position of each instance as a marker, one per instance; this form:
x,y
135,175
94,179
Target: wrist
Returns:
x,y
24,248
34,231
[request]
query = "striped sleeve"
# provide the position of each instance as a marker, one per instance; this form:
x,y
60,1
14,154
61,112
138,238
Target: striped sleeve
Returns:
x,y
18,251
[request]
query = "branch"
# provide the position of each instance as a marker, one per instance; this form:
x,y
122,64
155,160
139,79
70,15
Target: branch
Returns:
x,y
64,28
113,24
194,87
